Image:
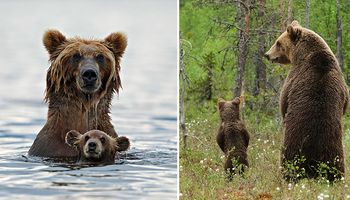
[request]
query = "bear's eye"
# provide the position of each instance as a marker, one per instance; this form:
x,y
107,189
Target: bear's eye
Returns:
x,y
76,57
87,138
100,58
103,140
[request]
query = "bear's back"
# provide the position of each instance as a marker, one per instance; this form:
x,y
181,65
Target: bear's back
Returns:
x,y
236,136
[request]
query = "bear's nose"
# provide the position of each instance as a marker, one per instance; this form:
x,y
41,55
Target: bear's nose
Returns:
x,y
267,56
89,75
92,145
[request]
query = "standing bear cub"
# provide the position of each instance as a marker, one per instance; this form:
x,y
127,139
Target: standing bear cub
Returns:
x,y
96,147
313,100
80,83
232,137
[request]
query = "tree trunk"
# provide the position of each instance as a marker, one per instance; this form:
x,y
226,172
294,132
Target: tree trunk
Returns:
x,y
182,98
243,41
210,84
282,13
208,66
339,39
307,14
290,11
260,67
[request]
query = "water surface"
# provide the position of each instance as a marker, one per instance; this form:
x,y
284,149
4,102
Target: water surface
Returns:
x,y
144,111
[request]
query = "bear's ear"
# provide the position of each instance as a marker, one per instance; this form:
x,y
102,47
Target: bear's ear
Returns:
x,y
52,40
295,23
294,31
122,143
236,101
221,103
117,43
73,137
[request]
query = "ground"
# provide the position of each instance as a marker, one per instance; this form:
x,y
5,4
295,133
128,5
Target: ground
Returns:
x,y
201,164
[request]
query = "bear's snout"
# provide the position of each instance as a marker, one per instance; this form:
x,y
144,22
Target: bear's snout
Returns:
x,y
89,76
267,56
92,146
93,149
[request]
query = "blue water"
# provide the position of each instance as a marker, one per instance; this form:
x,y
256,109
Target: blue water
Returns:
x,y
144,111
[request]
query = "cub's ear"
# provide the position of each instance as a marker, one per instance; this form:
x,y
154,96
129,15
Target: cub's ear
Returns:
x,y
53,39
294,32
122,143
73,137
117,42
236,100
221,103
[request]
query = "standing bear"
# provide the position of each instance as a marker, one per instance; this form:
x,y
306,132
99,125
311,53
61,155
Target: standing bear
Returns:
x,y
313,100
232,137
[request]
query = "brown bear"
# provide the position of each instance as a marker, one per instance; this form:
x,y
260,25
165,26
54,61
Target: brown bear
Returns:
x,y
96,147
80,83
232,137
313,100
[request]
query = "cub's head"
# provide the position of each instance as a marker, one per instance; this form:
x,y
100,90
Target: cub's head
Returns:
x,y
96,146
80,66
281,50
229,110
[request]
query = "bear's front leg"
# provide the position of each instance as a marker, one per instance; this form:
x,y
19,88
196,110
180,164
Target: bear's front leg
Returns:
x,y
284,100
104,124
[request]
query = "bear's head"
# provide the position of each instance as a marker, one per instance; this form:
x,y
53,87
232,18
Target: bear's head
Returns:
x,y
81,67
281,50
229,110
96,146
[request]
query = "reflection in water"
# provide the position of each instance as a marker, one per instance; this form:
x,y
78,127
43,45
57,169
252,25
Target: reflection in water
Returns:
x,y
145,110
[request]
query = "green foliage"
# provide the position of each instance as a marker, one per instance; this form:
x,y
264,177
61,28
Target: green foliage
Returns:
x,y
204,85
293,170
238,169
324,170
210,28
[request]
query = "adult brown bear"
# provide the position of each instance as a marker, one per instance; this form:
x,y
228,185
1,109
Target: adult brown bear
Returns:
x,y
313,100
80,83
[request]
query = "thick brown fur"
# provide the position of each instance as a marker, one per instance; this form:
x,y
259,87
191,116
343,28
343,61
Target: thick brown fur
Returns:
x,y
232,137
70,108
313,100
104,151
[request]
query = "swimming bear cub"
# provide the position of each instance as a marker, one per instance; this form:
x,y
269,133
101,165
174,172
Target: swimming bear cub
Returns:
x,y
96,147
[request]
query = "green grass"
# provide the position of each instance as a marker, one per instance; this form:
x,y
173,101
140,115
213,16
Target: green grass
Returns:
x,y
201,164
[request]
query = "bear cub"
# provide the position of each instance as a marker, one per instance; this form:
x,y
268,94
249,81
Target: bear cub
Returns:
x,y
96,147
232,137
